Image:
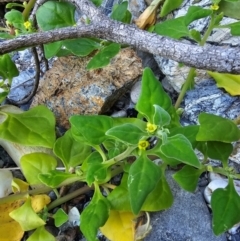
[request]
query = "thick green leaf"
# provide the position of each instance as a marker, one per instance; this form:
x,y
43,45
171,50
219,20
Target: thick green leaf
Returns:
x,y
71,152
142,179
160,198
8,69
120,12
41,234
92,128
82,46
230,82
26,216
50,50
168,6
35,163
60,217
195,13
35,127
219,151
225,203
216,128
56,178
53,15
161,117
188,131
230,8
173,28
127,133
94,215
152,94
103,57
180,148
15,18
188,177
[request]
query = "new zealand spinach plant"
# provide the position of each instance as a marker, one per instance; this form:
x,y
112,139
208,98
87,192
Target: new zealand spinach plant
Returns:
x,y
97,148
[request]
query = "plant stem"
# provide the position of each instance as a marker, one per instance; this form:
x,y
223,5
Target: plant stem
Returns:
x,y
27,9
23,195
68,197
191,73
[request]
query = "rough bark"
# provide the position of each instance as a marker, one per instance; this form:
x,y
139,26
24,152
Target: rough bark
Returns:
x,y
215,58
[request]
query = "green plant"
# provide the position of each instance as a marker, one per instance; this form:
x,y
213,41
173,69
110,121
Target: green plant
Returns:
x,y
114,141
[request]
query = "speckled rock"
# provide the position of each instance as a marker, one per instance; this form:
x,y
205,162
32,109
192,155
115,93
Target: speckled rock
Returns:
x,y
175,74
69,88
187,220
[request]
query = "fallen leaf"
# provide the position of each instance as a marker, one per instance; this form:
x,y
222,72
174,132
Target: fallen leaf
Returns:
x,y
230,82
11,230
119,226
148,17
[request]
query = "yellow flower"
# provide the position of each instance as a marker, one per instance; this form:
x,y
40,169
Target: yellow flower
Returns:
x,y
27,25
214,7
151,127
143,145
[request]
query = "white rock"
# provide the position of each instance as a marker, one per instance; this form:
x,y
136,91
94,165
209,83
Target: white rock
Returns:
x,y
121,113
135,92
74,216
5,183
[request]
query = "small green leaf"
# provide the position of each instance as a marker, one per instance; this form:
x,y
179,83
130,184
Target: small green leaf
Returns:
x,y
216,128
120,12
173,28
219,151
11,5
82,46
188,177
161,117
160,198
33,164
235,28
8,69
142,179
92,128
127,133
153,92
71,152
41,234
230,82
103,57
15,18
180,148
50,50
94,215
195,13
26,216
97,2
195,35
225,203
54,178
53,15
35,127
6,36
169,6
60,217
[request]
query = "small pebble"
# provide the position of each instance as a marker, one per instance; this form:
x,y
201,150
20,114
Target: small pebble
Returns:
x,y
135,92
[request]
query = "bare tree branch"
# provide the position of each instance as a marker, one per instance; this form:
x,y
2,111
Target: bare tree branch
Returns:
x,y
215,58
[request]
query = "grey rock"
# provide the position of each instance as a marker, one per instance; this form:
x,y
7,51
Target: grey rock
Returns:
x,y
206,97
187,220
135,92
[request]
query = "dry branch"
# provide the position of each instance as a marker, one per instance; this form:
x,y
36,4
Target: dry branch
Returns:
x,y
215,58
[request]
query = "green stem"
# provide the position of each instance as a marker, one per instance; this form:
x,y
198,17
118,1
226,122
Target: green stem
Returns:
x,y
191,73
185,87
27,9
68,197
99,149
